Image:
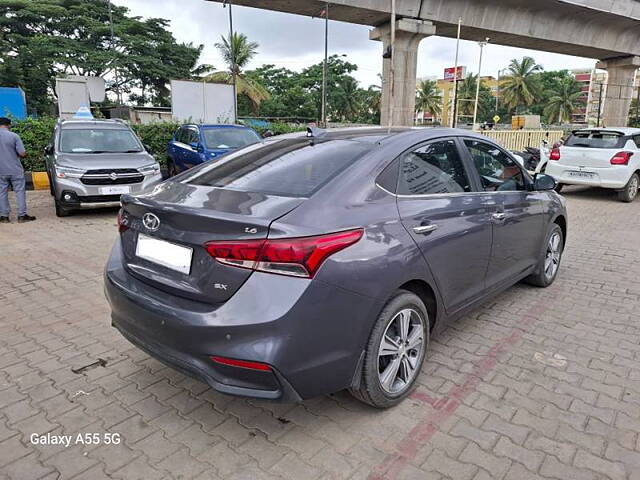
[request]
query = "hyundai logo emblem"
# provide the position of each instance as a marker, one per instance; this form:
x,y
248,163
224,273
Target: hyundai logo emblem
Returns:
x,y
151,222
113,176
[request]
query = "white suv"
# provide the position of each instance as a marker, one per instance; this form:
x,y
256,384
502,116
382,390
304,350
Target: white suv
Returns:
x,y
600,157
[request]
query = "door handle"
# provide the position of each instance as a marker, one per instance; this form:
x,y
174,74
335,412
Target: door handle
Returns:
x,y
499,216
422,229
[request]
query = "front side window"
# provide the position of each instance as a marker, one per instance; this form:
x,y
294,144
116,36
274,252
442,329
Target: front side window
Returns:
x,y
229,137
433,168
497,170
98,140
192,136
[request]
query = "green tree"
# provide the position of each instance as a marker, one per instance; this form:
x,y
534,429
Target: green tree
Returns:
x,y
299,94
563,100
48,38
428,98
466,99
237,52
520,87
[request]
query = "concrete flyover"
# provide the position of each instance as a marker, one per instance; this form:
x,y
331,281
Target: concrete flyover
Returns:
x,y
607,30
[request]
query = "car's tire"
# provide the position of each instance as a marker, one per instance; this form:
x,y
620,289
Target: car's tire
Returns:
x,y
62,211
549,264
52,190
380,386
630,191
559,187
171,168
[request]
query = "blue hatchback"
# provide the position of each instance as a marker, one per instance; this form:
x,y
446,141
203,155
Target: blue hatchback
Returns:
x,y
195,144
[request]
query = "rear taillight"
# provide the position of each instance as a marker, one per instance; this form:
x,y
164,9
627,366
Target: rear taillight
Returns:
x,y
554,154
621,158
298,257
123,221
232,362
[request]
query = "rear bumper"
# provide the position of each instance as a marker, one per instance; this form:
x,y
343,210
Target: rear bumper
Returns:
x,y
310,333
615,177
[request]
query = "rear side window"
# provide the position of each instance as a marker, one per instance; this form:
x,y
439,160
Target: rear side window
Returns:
x,y
289,167
595,139
433,168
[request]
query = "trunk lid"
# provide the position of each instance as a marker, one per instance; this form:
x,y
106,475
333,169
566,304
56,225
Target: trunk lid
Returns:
x,y
587,157
190,215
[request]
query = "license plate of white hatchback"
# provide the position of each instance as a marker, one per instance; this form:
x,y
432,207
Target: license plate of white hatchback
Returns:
x,y
586,175
167,254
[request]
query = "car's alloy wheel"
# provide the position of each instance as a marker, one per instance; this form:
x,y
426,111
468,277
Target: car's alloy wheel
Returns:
x,y
552,258
401,348
395,351
630,191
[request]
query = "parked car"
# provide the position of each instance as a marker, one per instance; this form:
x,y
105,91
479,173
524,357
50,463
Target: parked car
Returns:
x,y
90,163
194,144
304,265
599,157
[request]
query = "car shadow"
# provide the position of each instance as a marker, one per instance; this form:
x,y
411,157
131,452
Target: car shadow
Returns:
x,y
590,193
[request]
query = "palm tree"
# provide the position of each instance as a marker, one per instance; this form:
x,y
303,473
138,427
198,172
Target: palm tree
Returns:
x,y
520,86
428,98
563,100
237,53
467,94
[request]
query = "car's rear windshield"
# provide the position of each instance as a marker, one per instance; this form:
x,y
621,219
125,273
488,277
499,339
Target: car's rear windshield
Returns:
x,y
292,167
595,139
98,140
229,137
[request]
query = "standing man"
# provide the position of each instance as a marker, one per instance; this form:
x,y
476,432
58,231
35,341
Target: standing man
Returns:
x,y
12,173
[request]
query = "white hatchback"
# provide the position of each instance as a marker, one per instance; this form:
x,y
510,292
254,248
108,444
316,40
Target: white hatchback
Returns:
x,y
600,157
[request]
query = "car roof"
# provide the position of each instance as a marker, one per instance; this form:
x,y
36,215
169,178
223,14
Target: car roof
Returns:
x,y
384,134
112,124
623,130
216,125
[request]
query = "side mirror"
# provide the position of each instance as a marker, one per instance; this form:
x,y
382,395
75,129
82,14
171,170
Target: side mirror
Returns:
x,y
267,134
543,182
196,147
48,150
146,147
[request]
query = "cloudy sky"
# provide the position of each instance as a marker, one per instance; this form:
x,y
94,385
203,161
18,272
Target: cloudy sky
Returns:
x,y
295,42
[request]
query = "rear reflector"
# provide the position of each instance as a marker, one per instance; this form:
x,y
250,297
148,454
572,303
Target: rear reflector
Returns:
x,y
298,257
554,154
621,158
242,363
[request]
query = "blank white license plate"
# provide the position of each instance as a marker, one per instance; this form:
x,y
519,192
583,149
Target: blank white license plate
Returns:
x,y
586,175
167,254
117,190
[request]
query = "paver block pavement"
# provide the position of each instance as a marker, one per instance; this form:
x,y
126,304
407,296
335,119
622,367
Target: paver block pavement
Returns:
x,y
536,383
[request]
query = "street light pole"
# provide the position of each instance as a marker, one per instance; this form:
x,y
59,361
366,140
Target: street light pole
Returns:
x,y
115,65
391,69
233,62
475,106
498,87
455,79
324,66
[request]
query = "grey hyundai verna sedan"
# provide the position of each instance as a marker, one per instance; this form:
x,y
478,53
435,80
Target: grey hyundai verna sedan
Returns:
x,y
307,264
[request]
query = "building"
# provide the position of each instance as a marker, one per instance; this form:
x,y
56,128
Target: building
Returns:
x,y
594,85
445,87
